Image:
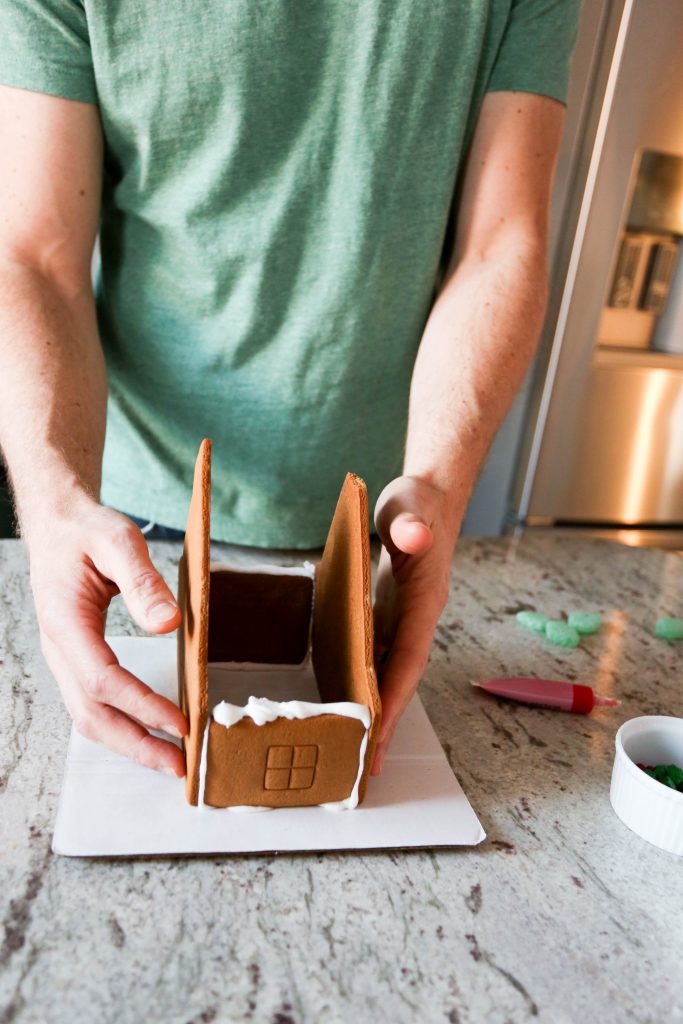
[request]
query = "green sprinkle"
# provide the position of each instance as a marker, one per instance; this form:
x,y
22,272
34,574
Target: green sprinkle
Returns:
x,y
585,622
532,620
562,633
668,774
669,629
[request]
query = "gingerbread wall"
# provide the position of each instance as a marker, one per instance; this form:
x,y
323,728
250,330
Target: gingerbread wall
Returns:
x,y
283,763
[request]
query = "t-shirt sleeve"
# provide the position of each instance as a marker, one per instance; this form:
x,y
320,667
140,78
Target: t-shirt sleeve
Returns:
x,y
45,48
536,48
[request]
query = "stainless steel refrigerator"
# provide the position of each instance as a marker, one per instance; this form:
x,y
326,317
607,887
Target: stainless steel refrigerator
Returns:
x,y
602,449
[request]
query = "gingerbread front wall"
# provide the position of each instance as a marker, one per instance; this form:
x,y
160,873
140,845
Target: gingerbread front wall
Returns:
x,y
285,763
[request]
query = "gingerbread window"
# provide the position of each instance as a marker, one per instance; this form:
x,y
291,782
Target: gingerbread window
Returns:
x,y
290,767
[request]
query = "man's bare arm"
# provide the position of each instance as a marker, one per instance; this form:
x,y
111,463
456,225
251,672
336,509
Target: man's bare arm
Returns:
x,y
476,347
53,399
484,326
52,423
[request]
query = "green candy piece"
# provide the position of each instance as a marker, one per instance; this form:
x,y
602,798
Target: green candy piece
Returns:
x,y
561,633
532,620
585,622
668,774
669,629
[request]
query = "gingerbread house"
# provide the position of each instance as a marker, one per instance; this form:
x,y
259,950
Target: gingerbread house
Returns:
x,y
275,666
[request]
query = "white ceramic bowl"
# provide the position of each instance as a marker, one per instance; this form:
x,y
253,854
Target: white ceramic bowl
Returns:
x,y
650,809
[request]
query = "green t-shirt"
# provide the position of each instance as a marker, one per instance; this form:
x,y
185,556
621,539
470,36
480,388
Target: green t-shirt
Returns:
x,y
278,181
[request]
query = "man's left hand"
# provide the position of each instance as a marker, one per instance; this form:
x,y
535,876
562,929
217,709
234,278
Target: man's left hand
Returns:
x,y
418,538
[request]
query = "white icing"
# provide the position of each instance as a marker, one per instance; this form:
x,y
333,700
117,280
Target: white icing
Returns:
x,y
262,710
247,808
351,801
202,765
266,569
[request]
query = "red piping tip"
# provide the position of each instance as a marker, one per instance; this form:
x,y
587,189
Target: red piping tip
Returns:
x,y
605,702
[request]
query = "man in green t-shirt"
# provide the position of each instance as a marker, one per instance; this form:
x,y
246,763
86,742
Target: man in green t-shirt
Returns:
x,y
283,269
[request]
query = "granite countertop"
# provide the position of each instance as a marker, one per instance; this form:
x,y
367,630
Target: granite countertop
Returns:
x,y
562,915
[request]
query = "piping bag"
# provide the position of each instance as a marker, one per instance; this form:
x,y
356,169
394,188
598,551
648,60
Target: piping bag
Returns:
x,y
549,693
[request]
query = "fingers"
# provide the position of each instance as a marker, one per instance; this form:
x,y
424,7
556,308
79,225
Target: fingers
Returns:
x,y
383,608
404,665
74,573
119,733
404,514
418,533
121,555
410,534
115,686
109,705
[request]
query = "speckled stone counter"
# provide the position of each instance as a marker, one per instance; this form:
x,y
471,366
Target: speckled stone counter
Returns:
x,y
562,915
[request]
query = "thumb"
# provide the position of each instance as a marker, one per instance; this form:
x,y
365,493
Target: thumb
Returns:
x,y
404,514
410,533
124,559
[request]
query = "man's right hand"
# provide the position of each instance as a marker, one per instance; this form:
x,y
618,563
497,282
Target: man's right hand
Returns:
x,y
79,561
53,397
